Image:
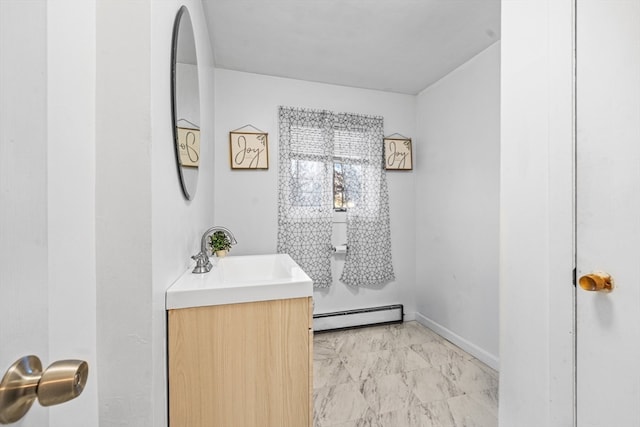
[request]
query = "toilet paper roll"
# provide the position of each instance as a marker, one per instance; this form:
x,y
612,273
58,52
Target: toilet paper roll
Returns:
x,y
340,249
62,381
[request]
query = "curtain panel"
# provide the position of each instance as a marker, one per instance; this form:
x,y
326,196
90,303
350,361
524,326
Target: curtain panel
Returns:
x,y
305,194
311,141
368,261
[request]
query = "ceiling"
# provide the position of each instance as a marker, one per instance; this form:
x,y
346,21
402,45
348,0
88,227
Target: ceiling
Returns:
x,y
391,45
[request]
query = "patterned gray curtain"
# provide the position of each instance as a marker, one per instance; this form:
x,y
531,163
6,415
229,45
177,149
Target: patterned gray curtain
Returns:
x,y
305,196
359,145
311,142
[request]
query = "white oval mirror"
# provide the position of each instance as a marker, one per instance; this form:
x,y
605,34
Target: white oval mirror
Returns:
x,y
185,103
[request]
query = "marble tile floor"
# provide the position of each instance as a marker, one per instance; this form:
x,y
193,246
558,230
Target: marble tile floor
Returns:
x,y
400,375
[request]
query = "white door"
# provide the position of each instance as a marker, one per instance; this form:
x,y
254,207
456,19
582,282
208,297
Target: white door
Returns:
x,y
47,283
608,211
23,189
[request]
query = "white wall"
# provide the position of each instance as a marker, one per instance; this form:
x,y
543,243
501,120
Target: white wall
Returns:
x,y
246,201
123,212
146,230
457,201
177,224
536,254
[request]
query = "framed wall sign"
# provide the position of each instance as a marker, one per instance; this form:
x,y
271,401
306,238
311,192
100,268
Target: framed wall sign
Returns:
x,y
398,153
249,150
189,146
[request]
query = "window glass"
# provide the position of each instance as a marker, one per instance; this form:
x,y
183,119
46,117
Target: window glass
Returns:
x,y
308,144
308,177
347,188
339,201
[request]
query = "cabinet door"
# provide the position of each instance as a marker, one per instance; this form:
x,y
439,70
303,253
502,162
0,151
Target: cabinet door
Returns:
x,y
240,365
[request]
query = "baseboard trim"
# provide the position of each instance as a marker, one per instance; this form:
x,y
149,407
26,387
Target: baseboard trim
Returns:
x,y
358,318
408,317
477,352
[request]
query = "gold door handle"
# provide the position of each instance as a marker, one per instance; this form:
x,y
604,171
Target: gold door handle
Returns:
x,y
596,282
24,382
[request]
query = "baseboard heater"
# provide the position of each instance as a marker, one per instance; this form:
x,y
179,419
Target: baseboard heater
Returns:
x,y
359,318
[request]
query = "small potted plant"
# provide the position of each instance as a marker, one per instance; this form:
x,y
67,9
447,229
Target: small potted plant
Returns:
x,y
220,243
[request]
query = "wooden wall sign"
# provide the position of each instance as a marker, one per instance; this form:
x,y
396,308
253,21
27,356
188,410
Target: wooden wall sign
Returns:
x,y
398,154
249,150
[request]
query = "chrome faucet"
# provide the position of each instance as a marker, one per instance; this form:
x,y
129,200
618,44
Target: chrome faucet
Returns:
x,y
203,265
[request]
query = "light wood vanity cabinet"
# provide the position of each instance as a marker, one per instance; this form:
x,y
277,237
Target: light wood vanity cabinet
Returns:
x,y
241,365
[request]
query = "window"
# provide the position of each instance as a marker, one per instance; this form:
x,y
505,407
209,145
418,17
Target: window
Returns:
x,y
333,161
308,191
346,185
309,158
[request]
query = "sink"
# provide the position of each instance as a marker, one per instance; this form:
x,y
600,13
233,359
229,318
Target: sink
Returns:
x,y
257,268
240,279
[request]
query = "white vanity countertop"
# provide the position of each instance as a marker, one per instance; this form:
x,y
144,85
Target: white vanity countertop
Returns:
x,y
238,279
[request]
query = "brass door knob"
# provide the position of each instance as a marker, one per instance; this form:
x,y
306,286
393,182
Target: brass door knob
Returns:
x,y
62,381
18,388
596,282
25,381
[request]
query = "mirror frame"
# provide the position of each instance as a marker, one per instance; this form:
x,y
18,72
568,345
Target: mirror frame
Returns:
x,y
174,120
